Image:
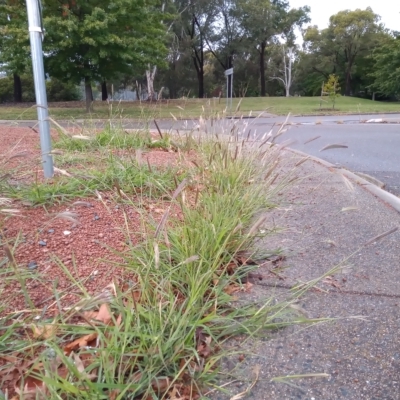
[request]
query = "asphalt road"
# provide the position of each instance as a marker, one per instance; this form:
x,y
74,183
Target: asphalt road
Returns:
x,y
373,148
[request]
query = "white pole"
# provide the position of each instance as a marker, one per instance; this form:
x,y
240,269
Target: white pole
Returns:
x,y
227,91
231,89
35,36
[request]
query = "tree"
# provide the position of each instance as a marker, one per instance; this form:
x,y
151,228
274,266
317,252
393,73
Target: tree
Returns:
x,y
286,70
192,28
353,31
387,67
94,41
331,88
14,42
349,39
264,22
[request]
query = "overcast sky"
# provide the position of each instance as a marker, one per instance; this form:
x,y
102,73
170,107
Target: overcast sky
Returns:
x,y
321,10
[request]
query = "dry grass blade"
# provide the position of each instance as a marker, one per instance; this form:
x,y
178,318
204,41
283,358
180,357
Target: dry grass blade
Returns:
x,y
347,182
334,146
178,190
284,379
349,209
9,211
9,255
312,139
156,254
189,260
68,215
241,395
57,152
302,161
62,129
138,156
82,137
257,224
4,201
158,129
20,154
62,172
381,236
238,106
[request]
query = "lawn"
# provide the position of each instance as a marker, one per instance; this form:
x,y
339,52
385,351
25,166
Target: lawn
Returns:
x,y
194,107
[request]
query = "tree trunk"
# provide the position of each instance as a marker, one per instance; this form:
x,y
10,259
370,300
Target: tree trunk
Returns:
x,y
88,94
200,77
348,82
104,93
150,75
230,77
263,88
17,89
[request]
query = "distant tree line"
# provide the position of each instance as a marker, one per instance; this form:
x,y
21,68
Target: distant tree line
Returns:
x,y
182,48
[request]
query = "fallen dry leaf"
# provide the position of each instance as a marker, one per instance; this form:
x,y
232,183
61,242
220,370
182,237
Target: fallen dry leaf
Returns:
x,y
32,388
160,384
104,314
44,331
232,288
83,341
81,367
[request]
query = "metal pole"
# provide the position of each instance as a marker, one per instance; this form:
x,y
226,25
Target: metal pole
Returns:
x,y
231,89
227,91
35,36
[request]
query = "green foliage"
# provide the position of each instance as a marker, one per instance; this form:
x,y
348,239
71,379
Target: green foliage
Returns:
x,y
14,37
386,72
62,91
103,38
332,88
7,89
342,47
56,90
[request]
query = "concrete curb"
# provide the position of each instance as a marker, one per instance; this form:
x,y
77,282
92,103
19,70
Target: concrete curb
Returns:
x,y
383,195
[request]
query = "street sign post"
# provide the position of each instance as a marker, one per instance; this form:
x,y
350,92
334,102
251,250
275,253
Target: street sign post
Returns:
x,y
229,74
35,36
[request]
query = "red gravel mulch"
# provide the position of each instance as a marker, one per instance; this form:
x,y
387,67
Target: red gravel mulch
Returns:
x,y
86,247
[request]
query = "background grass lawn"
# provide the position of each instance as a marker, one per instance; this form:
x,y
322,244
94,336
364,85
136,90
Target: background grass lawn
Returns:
x,y
195,107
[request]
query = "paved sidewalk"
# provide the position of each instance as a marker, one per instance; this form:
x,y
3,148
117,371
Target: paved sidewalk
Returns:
x,y
361,356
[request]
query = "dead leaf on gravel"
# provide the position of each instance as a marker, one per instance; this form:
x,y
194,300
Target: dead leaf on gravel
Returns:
x,y
104,314
160,384
33,388
44,331
90,314
232,288
81,367
70,216
83,341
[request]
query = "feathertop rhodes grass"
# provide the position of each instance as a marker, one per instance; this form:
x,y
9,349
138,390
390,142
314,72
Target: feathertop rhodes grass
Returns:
x,y
161,334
